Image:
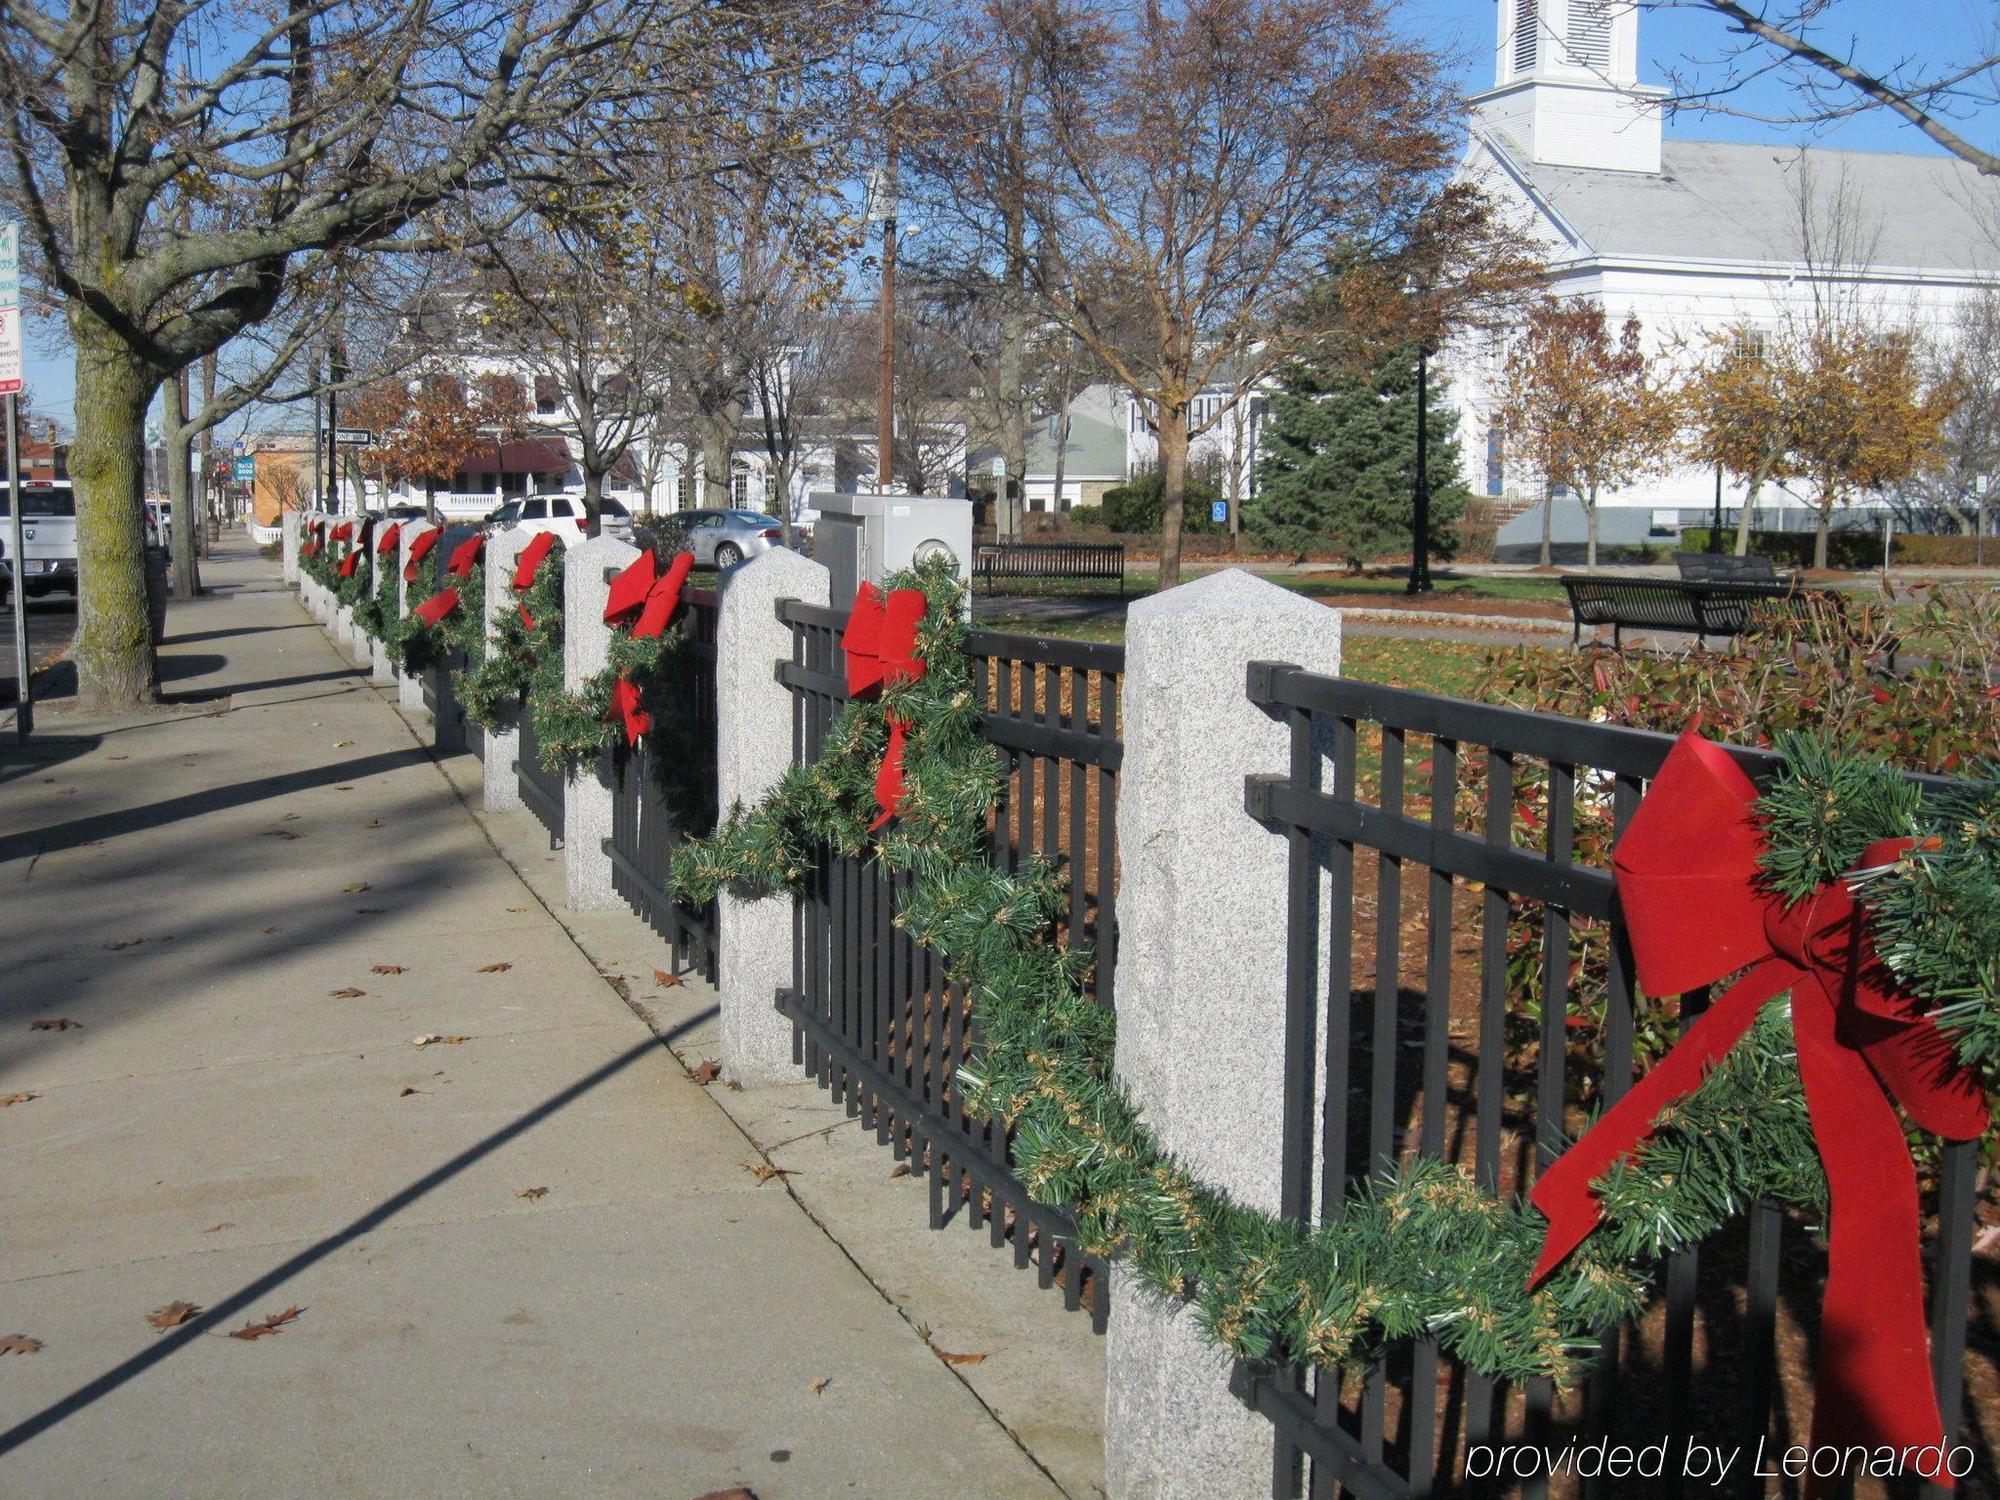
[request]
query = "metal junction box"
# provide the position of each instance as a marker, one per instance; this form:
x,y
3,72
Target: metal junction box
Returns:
x,y
869,536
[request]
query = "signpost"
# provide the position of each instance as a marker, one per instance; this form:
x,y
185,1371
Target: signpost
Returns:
x,y
354,437
10,389
244,470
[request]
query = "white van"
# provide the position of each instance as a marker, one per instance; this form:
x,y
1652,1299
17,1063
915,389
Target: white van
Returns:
x,y
48,536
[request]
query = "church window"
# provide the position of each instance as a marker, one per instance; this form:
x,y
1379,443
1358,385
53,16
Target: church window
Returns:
x,y
1527,32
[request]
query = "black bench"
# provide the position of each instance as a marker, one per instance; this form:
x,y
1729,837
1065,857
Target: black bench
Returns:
x,y
1697,609
995,560
1724,567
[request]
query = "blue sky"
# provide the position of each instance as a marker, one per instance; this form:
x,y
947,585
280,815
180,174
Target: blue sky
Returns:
x,y
1882,29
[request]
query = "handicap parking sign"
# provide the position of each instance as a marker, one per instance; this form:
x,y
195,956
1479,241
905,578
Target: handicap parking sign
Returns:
x,y
1218,512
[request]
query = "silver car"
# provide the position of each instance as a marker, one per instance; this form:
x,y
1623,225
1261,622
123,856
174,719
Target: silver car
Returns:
x,y
723,538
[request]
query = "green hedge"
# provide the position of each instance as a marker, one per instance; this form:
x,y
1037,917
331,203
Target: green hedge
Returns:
x,y
1850,549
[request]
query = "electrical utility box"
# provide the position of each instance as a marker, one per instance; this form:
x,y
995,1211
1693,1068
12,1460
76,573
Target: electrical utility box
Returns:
x,y
867,537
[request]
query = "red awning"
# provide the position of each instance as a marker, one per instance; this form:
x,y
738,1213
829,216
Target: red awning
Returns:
x,y
525,457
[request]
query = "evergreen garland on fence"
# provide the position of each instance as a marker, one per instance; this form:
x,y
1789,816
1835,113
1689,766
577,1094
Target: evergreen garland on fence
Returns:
x,y
492,691
1423,1249
378,613
412,645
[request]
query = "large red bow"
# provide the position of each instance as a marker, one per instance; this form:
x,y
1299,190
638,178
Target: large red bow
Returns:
x,y
465,556
386,542
653,600
880,642
341,532
420,548
435,608
349,563
531,559
1697,911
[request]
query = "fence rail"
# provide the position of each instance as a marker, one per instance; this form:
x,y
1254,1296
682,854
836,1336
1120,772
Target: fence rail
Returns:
x,y
1477,998
876,1022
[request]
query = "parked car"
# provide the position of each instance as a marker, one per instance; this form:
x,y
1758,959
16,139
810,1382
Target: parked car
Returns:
x,y
562,514
723,538
403,513
48,535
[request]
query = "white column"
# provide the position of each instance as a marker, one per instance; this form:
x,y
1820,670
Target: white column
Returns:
x,y
1201,994
753,749
409,685
502,784
587,797
288,531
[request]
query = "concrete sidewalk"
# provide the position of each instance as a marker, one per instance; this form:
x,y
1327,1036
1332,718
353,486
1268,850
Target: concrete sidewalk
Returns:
x,y
534,1261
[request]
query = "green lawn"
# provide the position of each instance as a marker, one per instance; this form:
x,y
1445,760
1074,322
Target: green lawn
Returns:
x,y
1140,581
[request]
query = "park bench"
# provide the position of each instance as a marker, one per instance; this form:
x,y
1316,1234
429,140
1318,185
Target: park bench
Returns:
x,y
1723,567
1697,609
996,560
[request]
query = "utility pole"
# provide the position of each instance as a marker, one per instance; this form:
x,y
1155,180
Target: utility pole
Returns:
x,y
885,417
336,375
24,706
1420,500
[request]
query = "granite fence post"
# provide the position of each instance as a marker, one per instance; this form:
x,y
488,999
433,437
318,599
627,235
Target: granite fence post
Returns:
x,y
587,797
1201,994
502,783
753,749
409,685
288,532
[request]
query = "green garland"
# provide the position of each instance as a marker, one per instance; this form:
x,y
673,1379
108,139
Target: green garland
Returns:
x,y
492,691
378,613
1425,1249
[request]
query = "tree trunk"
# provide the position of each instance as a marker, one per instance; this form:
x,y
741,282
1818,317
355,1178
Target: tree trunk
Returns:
x,y
1062,465
185,519
593,502
207,489
1750,499
1590,519
718,436
1825,509
1012,499
1548,518
1173,477
114,652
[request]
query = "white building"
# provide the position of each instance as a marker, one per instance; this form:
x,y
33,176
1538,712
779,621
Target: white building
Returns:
x,y
1692,236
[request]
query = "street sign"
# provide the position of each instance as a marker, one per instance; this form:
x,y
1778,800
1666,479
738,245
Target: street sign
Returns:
x,y
10,310
245,469
354,437
1218,512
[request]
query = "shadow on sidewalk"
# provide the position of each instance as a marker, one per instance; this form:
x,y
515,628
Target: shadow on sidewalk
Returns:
x,y
214,799
252,1292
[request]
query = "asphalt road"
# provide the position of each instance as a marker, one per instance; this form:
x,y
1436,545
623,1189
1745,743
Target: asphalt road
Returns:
x,y
51,622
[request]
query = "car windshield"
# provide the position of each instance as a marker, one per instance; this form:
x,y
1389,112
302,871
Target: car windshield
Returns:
x,y
752,518
610,507
36,502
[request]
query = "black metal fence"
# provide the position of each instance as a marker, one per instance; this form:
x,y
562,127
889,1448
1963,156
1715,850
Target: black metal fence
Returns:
x,y
452,730
1453,911
876,1022
543,792
648,820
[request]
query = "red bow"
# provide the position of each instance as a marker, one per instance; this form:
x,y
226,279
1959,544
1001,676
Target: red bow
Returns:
x,y
636,591
341,532
465,556
308,549
531,559
420,548
348,563
1696,910
880,642
435,608
625,703
629,589
663,598
386,542
527,620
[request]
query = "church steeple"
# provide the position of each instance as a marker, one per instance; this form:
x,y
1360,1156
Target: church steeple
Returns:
x,y
1566,85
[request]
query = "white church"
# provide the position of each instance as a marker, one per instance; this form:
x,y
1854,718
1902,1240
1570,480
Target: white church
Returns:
x,y
1691,237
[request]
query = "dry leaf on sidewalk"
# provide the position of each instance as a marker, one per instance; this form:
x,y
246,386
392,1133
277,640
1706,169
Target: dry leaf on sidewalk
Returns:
x,y
54,1023
19,1343
281,833
7,1099
218,1228
818,1387
172,1315
958,1359
763,1171
433,1039
406,1091
739,1493
342,744
269,1324
357,888
901,1169
269,930
387,969
531,1194
708,1072
346,992
500,968
665,980
372,823
124,943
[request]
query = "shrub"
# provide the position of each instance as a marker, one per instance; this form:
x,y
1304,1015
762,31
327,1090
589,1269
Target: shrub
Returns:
x,y
1085,515
1140,504
1851,549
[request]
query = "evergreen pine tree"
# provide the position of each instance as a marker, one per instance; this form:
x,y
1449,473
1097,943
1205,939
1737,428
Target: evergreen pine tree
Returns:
x,y
1338,465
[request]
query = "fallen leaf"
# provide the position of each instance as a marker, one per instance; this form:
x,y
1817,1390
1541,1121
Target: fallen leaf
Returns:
x,y
372,823
708,1072
218,1228
357,888
763,1171
270,1324
665,980
121,757
346,992
432,1039
818,1387
289,818
739,1493
958,1359
901,1169
124,943
520,908
19,1343
54,1023
496,968
281,833
342,744
343,789
407,1091
531,1194
269,930
7,1099
369,911
172,1315
387,969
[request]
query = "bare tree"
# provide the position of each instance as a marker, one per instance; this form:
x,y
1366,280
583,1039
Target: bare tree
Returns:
x,y
1198,169
1955,484
1943,91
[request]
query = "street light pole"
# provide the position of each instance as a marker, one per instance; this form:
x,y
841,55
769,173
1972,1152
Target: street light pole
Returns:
x,y
1420,503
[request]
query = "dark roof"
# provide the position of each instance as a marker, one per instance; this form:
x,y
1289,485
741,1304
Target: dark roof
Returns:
x,y
524,457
